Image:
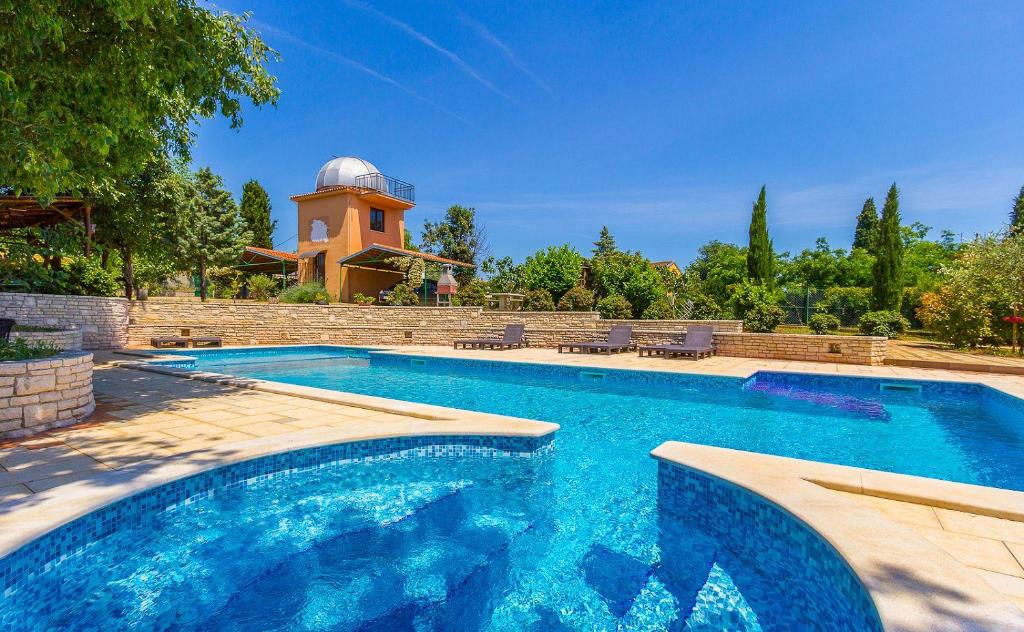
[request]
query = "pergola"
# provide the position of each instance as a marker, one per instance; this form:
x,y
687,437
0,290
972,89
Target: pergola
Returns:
x,y
23,211
381,259
268,261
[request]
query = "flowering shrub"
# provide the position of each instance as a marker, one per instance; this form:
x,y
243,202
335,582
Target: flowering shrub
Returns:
x,y
960,318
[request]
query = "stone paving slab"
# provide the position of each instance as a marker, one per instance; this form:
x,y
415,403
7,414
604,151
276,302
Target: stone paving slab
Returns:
x,y
930,355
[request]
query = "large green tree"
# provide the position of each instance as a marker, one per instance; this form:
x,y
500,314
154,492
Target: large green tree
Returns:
x,y
605,244
1017,213
866,233
760,258
458,237
718,266
887,273
90,89
210,232
627,274
555,269
255,211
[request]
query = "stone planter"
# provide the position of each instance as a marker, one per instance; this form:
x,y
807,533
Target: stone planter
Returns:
x,y
69,339
37,395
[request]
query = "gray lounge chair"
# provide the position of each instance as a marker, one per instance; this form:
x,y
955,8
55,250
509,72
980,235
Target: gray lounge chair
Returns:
x,y
513,339
169,341
619,339
699,342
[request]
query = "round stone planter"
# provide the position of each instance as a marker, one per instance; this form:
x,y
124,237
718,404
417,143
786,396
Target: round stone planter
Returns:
x,y
37,395
66,339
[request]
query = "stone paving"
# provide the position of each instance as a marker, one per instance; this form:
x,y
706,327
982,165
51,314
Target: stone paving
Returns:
x,y
930,355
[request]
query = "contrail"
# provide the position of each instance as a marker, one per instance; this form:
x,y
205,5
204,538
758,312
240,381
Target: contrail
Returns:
x,y
423,39
487,35
285,35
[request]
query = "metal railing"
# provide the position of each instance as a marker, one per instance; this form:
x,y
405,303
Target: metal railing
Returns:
x,y
386,184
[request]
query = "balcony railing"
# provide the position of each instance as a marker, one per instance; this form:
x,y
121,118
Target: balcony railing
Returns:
x,y
386,184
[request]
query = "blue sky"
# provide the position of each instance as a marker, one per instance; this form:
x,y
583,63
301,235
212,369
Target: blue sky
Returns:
x,y
659,119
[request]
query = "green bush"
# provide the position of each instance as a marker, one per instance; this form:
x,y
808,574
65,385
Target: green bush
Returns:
x,y
403,296
18,349
748,295
957,315
86,277
224,283
823,324
472,294
578,299
846,303
659,310
883,323
615,307
361,299
763,318
700,306
305,293
538,301
261,287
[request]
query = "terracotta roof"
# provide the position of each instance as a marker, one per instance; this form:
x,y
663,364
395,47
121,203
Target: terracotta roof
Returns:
x,y
664,264
374,249
276,254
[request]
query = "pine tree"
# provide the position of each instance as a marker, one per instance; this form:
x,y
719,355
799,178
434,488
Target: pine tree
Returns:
x,y
760,258
866,233
1017,214
887,289
605,244
210,231
256,214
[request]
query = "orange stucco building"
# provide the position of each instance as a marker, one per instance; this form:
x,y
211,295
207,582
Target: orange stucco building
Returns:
x,y
350,226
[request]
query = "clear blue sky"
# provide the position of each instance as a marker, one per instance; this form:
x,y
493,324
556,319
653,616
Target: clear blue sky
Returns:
x,y
658,119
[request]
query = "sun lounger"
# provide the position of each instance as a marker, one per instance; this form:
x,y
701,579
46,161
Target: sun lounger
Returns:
x,y
699,343
6,325
206,341
513,339
169,341
619,339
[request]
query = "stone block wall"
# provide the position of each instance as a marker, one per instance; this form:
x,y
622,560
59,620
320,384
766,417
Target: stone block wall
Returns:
x,y
840,349
103,321
37,395
65,339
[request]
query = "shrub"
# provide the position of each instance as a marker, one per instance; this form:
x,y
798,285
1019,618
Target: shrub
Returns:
x,y
86,277
846,303
472,294
659,310
224,282
402,296
883,323
823,324
18,349
578,299
556,270
361,299
763,318
615,307
960,318
305,293
539,301
261,287
748,295
700,306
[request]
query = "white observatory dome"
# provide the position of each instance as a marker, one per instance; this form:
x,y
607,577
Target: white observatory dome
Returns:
x,y
343,171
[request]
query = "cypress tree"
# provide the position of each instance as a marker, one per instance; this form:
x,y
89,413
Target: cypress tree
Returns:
x,y
1017,214
760,258
887,290
256,214
866,233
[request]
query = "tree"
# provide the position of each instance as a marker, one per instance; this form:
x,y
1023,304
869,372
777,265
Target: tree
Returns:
x,y
760,258
407,241
90,90
1017,213
630,275
866,233
255,211
887,288
456,237
556,269
718,266
605,244
209,231
503,275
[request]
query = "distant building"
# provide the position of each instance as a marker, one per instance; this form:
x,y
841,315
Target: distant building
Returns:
x,y
668,265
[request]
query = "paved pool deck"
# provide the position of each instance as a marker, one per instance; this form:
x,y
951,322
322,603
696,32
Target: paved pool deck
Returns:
x,y
151,427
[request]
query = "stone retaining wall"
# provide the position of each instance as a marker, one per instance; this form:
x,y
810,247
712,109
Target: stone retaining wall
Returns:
x,y
65,339
841,349
37,395
103,321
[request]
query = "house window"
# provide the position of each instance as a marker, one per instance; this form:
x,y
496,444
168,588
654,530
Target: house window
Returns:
x,y
377,220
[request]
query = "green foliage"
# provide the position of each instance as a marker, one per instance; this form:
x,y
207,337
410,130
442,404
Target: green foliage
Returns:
x,y
718,266
90,90
472,294
18,349
699,306
823,324
305,293
887,288
865,236
1017,213
958,314
846,303
456,237
883,323
255,212
361,299
747,295
502,274
87,277
402,295
407,241
556,269
261,287
578,299
760,258
615,307
605,244
923,259
224,282
763,318
823,267
538,300
660,309
209,231
630,275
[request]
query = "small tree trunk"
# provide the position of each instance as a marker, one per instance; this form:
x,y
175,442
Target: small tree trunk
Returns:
x,y
127,272
202,281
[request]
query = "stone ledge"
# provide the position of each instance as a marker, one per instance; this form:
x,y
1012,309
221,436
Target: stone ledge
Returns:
x,y
66,339
45,393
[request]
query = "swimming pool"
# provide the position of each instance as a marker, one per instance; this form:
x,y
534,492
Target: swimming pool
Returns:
x,y
959,432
